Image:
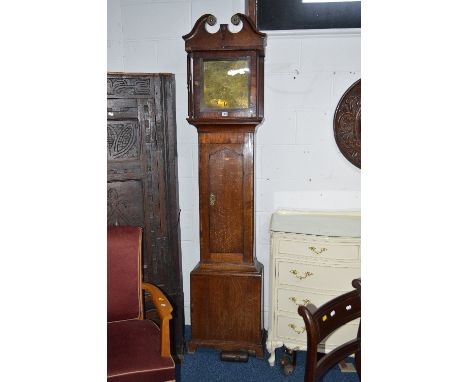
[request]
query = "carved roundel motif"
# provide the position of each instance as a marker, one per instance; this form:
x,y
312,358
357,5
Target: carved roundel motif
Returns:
x,y
347,124
122,139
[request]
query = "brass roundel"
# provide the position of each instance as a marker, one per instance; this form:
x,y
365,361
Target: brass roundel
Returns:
x,y
235,19
211,20
347,124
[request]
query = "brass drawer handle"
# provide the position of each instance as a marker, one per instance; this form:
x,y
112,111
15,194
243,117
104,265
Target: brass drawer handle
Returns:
x,y
318,252
296,273
305,301
294,327
212,199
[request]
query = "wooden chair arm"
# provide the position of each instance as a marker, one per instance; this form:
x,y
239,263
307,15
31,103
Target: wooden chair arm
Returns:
x,y
164,308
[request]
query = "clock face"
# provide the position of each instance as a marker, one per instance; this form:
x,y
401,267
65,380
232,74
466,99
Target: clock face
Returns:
x,y
226,84
223,85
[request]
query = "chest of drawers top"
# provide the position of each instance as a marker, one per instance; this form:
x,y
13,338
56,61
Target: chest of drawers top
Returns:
x,y
327,224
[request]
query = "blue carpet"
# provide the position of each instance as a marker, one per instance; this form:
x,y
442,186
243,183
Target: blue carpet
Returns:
x,y
205,365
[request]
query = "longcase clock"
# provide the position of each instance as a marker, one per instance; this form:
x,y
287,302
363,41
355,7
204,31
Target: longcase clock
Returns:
x,y
225,87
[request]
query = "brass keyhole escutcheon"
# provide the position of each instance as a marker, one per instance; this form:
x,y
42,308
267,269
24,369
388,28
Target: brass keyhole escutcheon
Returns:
x,y
212,199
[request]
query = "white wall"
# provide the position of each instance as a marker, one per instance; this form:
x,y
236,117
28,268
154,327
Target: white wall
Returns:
x,y
298,164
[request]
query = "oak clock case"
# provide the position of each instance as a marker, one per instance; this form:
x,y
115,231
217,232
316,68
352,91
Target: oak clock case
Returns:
x,y
225,87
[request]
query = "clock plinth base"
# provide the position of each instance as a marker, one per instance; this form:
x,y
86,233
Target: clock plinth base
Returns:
x,y
250,348
226,309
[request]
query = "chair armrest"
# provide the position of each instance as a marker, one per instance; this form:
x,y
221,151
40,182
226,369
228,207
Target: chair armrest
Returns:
x,y
164,308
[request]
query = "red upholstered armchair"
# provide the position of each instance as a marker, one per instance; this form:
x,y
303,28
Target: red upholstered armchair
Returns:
x,y
137,349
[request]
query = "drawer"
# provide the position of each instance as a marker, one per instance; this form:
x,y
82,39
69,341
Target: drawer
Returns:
x,y
319,249
289,300
290,328
333,278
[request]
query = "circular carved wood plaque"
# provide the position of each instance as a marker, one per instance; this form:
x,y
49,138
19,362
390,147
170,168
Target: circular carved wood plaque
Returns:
x,y
347,124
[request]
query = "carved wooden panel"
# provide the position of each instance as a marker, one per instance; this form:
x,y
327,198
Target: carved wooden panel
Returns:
x,y
123,140
225,165
347,124
128,86
125,203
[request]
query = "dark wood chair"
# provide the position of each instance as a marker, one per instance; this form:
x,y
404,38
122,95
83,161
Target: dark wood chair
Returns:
x,y
319,323
138,350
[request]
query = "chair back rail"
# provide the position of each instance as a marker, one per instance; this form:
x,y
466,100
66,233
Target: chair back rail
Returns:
x,y
322,322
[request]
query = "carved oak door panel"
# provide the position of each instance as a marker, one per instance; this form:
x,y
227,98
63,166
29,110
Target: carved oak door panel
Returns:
x,y
124,197
125,203
142,180
133,172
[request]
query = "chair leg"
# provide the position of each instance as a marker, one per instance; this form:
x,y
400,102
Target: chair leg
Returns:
x,y
358,362
288,361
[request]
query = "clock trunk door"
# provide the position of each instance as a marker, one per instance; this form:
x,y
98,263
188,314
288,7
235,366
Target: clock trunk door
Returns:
x,y
223,192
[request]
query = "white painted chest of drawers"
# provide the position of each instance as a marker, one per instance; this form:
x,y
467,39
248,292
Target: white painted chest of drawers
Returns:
x,y
314,256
